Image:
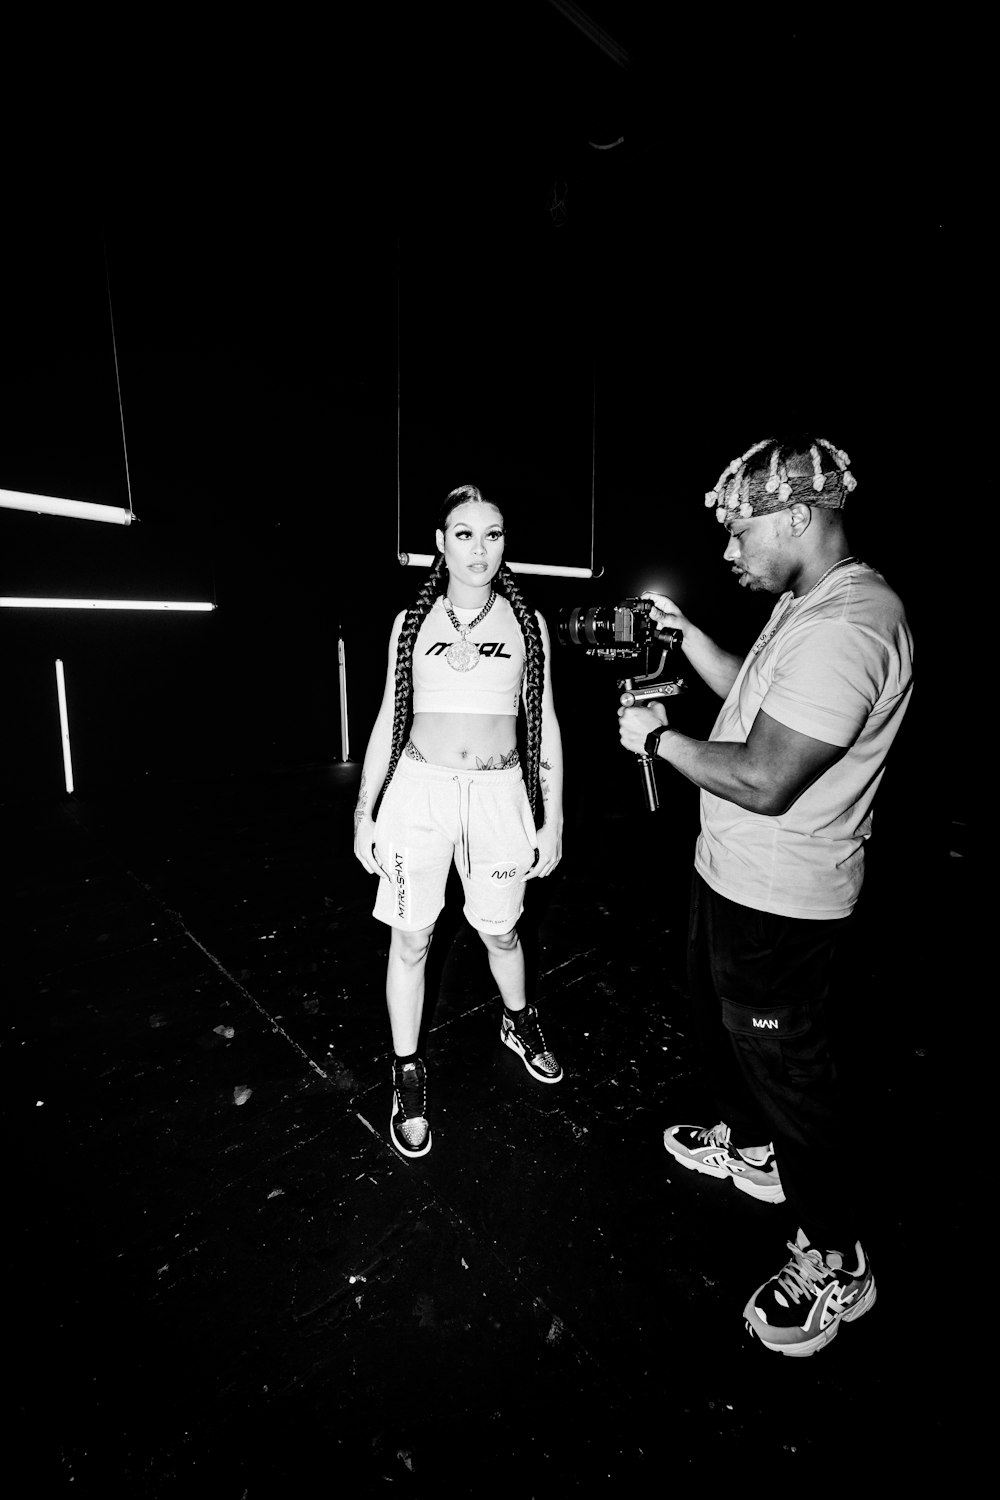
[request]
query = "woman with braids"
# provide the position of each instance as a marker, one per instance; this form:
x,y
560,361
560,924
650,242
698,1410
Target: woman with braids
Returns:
x,y
461,660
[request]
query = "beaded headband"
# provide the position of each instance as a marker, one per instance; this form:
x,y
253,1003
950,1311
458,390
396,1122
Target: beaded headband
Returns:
x,y
801,476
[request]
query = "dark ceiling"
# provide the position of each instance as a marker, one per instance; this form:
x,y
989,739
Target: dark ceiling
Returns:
x,y
714,219
358,256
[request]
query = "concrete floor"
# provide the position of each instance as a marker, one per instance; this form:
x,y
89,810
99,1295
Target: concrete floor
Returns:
x,y
225,1281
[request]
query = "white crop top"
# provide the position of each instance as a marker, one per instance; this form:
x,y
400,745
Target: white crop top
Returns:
x,y
494,684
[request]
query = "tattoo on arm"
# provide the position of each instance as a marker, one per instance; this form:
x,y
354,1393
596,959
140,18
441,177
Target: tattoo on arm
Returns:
x,y
362,804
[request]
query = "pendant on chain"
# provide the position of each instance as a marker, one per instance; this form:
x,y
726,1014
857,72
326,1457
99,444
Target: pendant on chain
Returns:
x,y
462,655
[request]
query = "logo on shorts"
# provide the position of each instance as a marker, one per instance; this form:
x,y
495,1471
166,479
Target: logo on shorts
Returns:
x,y
763,1024
400,887
504,874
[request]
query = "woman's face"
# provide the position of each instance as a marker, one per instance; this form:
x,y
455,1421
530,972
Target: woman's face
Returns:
x,y
472,542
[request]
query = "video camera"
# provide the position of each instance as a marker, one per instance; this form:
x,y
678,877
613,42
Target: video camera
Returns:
x,y
626,632
613,632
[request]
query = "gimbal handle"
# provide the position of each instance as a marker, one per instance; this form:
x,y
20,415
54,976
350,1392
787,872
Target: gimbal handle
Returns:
x,y
649,783
628,697
646,694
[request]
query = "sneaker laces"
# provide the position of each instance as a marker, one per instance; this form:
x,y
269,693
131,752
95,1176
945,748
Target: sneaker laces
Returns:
x,y
411,1089
526,1025
804,1273
714,1135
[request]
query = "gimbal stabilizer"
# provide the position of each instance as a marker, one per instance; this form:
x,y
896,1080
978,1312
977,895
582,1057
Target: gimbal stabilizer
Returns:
x,y
625,632
650,688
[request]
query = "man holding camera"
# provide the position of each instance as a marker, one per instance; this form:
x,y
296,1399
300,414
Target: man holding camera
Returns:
x,y
787,779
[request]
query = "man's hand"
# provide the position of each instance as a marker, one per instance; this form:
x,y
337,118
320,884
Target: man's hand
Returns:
x,y
635,723
666,613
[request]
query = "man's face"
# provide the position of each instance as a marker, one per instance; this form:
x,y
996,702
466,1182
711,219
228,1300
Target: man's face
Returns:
x,y
757,549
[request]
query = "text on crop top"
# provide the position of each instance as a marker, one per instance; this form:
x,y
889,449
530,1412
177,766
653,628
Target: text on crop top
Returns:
x,y
494,684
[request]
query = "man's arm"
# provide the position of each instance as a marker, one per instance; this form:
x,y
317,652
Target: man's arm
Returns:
x,y
717,668
714,666
764,775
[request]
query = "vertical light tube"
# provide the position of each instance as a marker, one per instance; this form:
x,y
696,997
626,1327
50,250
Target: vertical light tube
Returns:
x,y
64,726
345,748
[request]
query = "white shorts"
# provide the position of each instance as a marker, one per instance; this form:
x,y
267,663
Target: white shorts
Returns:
x,y
432,815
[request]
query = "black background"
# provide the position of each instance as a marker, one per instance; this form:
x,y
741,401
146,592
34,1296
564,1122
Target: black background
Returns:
x,y
356,260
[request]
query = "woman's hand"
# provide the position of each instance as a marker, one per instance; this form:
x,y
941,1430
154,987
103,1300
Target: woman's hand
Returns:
x,y
549,852
364,838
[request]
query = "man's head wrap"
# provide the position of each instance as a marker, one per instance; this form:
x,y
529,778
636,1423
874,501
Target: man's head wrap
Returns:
x,y
772,475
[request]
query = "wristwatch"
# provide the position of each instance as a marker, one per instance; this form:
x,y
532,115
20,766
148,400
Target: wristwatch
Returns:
x,y
653,739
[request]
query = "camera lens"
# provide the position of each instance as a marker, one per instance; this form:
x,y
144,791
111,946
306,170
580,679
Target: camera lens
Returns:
x,y
620,629
586,627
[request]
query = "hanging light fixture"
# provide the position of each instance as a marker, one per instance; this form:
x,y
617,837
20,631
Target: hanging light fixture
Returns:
x,y
550,570
31,603
82,510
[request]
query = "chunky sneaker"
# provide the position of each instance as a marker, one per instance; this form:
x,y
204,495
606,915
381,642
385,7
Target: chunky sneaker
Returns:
x,y
409,1130
520,1031
800,1310
708,1149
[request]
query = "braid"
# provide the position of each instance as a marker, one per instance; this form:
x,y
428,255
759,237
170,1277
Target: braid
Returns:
x,y
432,586
772,475
534,666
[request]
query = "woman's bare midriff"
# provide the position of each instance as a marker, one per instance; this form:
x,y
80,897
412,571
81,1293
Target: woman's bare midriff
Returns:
x,y
465,741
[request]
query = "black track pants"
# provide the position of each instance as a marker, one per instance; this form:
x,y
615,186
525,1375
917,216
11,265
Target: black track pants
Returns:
x,y
760,985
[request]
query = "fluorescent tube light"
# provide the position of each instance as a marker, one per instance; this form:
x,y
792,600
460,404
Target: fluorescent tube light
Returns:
x,y
345,744
552,570
64,726
26,603
83,510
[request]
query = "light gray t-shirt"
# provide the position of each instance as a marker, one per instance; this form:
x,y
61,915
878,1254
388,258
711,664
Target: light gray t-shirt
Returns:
x,y
836,665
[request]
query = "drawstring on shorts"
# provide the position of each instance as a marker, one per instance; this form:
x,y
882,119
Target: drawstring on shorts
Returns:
x,y
464,785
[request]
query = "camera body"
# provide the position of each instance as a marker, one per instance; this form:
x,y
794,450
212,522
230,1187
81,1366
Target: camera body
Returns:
x,y
626,633
613,632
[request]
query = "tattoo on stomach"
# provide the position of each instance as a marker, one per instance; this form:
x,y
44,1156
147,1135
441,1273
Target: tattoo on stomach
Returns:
x,y
492,763
498,763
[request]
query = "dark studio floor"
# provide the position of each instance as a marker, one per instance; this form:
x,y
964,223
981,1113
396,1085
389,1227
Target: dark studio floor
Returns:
x,y
226,1282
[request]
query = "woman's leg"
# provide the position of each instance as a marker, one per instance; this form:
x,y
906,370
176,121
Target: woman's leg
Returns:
x,y
506,960
409,1127
404,987
519,1028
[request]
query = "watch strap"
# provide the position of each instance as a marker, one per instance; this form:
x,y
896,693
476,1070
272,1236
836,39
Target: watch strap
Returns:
x,y
653,739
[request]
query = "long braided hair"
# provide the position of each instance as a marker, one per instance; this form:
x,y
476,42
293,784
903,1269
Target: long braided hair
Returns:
x,y
504,583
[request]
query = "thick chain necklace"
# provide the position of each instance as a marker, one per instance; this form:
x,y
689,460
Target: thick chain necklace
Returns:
x,y
763,639
463,654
